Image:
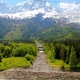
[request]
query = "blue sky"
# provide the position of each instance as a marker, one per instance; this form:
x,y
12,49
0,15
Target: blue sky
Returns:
x,y
12,2
55,2
58,1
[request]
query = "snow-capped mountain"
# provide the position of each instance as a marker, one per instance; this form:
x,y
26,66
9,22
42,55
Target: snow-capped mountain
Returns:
x,y
30,8
31,5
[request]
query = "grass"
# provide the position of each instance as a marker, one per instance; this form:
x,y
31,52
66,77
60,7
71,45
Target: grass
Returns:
x,y
58,64
8,63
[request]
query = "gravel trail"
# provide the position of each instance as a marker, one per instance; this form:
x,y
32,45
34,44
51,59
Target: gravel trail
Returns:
x,y
40,64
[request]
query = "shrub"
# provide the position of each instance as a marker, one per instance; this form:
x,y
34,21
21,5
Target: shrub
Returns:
x,y
62,67
7,52
19,52
0,57
29,57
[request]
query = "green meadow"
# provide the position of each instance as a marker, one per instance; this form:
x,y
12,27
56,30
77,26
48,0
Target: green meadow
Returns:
x,y
8,63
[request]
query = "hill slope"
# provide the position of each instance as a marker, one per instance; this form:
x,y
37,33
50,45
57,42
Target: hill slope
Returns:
x,y
37,28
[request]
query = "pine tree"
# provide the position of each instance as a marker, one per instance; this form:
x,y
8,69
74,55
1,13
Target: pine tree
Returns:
x,y
67,54
73,61
62,52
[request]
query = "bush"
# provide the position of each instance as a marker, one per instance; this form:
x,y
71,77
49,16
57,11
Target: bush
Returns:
x,y
18,52
62,67
7,52
74,68
0,57
29,57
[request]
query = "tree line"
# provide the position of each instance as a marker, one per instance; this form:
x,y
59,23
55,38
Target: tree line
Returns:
x,y
68,51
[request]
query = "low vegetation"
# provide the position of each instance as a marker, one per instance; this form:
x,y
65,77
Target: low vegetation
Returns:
x,y
14,62
59,64
13,54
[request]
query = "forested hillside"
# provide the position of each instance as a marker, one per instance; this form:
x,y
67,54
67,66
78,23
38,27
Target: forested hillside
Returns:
x,y
37,28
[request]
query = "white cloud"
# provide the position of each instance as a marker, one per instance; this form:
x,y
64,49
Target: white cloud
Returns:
x,y
2,1
67,5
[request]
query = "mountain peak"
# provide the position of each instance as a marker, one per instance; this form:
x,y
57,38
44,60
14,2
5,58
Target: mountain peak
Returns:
x,y
19,4
30,8
23,3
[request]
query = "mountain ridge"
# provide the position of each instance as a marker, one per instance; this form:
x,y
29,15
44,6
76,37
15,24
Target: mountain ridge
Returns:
x,y
31,20
36,28
31,8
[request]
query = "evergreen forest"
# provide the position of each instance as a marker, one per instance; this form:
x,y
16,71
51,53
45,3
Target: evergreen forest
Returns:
x,y
66,51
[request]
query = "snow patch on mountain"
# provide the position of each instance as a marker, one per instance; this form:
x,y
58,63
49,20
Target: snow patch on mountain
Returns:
x,y
51,14
71,11
30,8
23,15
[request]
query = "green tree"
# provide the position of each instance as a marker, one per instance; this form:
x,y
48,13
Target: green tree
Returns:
x,y
67,54
7,52
19,52
0,57
62,52
29,58
73,59
1,48
57,50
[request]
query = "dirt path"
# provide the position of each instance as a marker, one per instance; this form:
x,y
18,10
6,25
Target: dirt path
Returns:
x,y
40,64
40,70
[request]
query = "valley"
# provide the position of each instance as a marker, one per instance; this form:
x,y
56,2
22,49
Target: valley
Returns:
x,y
39,70
40,41
39,20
